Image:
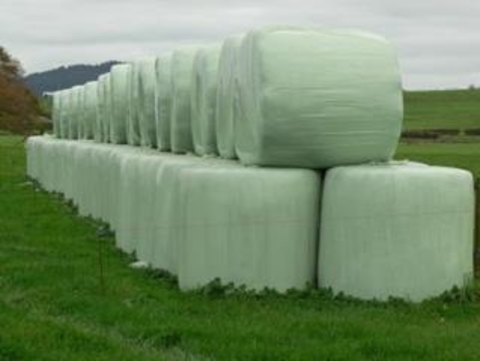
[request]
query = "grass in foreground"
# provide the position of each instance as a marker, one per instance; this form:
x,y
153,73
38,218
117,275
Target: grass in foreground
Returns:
x,y
53,307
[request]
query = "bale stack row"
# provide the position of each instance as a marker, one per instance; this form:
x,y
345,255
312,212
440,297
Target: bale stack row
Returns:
x,y
296,103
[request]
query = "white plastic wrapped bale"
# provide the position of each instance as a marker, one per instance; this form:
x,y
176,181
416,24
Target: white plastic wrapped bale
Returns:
x,y
250,226
90,108
163,101
149,220
317,98
227,75
62,118
180,124
56,113
100,134
398,230
82,119
147,79
133,125
204,100
74,112
121,107
107,124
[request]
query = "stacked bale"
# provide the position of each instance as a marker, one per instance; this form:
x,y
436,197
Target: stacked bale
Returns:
x,y
90,108
147,82
407,233
226,103
121,106
133,125
180,123
56,113
249,226
204,99
163,101
101,126
317,98
286,97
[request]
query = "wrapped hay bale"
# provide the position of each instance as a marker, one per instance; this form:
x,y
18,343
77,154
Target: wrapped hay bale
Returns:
x,y
63,118
249,226
317,98
81,112
102,133
56,113
133,125
107,123
90,108
180,123
225,112
398,230
163,101
204,99
147,82
74,113
121,106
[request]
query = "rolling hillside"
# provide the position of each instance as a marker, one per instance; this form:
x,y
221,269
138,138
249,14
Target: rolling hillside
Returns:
x,y
65,77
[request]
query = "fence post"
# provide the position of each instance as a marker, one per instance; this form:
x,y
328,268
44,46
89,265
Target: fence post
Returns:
x,y
476,247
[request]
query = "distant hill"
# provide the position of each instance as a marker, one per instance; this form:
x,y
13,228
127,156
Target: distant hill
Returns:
x,y
66,77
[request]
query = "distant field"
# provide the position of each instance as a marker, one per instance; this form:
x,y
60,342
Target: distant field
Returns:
x,y
442,109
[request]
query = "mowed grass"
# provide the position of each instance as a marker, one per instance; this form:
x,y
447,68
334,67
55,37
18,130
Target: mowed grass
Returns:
x,y
54,305
461,155
447,109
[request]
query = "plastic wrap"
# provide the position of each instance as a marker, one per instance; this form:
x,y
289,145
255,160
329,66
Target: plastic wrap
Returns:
x,y
101,134
198,218
180,123
317,98
249,226
163,101
204,100
397,230
121,106
63,109
56,113
90,108
73,112
225,112
147,82
133,125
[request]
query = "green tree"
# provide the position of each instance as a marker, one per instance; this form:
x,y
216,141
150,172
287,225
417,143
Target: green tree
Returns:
x,y
18,106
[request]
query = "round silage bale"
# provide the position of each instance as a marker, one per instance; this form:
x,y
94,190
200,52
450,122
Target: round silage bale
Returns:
x,y
90,99
74,112
64,108
56,113
204,99
147,82
181,75
408,233
101,136
317,98
225,112
121,106
133,125
163,101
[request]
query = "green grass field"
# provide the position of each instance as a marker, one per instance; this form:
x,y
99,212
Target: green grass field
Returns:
x,y
54,305
459,109
67,294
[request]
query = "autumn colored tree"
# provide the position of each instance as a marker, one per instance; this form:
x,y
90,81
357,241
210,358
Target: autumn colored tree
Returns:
x,y
18,106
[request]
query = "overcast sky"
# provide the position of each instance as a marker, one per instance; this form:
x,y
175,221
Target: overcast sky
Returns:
x,y
438,41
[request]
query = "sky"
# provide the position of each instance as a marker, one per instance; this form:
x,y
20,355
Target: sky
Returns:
x,y
438,41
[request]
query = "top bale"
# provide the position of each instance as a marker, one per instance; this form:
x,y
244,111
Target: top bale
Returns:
x,y
317,98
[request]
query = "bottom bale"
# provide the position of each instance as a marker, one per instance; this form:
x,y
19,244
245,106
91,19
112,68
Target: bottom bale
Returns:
x,y
396,230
